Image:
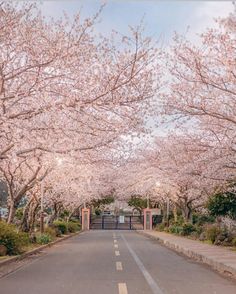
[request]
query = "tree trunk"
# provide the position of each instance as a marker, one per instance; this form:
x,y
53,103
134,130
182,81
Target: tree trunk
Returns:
x,y
52,219
164,216
33,213
187,213
11,212
175,213
56,211
24,223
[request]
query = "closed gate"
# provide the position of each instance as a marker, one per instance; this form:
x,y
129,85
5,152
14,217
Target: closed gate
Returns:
x,y
111,222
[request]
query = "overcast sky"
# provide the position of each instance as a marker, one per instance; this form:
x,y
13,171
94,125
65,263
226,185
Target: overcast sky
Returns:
x,y
161,18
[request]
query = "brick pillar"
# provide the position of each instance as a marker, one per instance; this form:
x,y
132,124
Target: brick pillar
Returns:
x,y
85,219
147,213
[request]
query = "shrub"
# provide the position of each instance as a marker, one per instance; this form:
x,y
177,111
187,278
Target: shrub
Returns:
x,y
12,239
234,241
166,229
212,232
98,211
175,229
201,219
19,213
202,236
73,227
187,229
61,226
179,222
223,204
3,250
160,227
224,238
64,214
51,232
43,239
198,229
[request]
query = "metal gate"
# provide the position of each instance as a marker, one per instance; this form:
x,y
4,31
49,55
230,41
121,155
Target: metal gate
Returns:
x,y
111,222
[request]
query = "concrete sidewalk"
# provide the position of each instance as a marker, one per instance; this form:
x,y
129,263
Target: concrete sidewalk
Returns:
x,y
221,259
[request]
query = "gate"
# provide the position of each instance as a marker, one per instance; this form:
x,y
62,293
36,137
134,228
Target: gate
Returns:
x,y
111,222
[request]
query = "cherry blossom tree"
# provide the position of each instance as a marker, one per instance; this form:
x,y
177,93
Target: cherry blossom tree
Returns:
x,y
201,93
64,90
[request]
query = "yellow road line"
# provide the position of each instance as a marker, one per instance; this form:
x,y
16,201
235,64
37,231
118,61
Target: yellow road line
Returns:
x,y
122,288
119,266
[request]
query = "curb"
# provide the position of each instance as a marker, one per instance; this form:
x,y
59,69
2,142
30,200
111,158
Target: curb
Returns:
x,y
36,250
218,266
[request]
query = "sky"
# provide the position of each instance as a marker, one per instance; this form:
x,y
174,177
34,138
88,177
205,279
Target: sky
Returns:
x,y
161,18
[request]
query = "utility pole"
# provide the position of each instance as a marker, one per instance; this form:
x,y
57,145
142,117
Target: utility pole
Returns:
x,y
41,209
148,201
167,210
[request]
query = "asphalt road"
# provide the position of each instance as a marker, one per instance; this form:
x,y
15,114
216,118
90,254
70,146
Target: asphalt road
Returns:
x,y
119,262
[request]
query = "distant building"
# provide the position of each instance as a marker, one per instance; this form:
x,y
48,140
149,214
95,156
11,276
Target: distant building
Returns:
x,y
119,206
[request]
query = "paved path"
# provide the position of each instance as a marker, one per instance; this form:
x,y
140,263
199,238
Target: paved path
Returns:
x,y
219,258
113,262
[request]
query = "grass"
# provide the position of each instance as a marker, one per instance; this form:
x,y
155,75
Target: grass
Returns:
x,y
31,247
4,257
207,242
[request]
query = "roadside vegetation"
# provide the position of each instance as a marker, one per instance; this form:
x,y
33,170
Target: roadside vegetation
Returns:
x,y
216,225
14,241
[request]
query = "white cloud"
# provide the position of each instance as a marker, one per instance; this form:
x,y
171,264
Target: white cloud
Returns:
x,y
210,10
205,14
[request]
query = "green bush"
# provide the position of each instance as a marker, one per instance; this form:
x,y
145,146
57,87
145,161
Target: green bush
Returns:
x,y
64,214
179,222
234,241
43,239
19,213
98,211
51,232
12,239
212,232
223,204
187,229
61,226
198,229
73,227
201,219
160,227
175,229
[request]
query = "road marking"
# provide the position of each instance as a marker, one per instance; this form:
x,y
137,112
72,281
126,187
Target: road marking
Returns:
x,y
119,266
117,253
153,285
115,241
116,245
122,288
